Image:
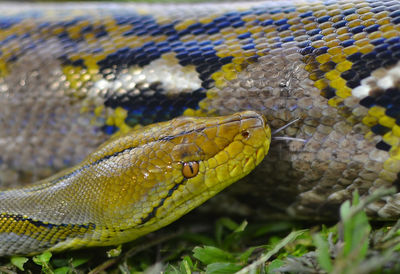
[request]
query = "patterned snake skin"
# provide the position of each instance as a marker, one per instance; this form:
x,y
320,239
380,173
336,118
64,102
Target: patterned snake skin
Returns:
x,y
72,75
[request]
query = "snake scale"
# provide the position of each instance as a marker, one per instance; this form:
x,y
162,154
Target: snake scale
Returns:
x,y
76,75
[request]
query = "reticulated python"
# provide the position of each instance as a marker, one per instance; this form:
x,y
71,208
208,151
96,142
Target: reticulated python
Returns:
x,y
72,75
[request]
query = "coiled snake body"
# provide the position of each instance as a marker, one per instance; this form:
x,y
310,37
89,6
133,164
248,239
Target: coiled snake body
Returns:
x,y
72,75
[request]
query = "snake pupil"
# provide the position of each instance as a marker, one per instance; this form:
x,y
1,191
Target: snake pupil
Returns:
x,y
190,169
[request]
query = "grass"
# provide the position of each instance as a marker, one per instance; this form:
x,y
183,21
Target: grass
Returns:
x,y
353,245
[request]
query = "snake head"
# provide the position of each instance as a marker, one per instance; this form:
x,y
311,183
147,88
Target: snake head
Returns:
x,y
144,180
172,167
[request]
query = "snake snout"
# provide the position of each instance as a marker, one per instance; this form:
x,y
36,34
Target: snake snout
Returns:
x,y
249,138
255,128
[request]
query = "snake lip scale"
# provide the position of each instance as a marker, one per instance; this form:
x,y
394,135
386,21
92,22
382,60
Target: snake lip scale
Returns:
x,y
92,151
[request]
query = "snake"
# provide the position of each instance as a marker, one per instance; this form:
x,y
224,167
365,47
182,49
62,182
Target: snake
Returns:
x,y
118,118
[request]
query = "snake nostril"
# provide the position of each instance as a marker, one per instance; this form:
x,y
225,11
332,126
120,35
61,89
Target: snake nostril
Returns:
x,y
245,134
190,169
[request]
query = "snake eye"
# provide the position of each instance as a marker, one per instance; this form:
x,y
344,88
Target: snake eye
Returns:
x,y
190,169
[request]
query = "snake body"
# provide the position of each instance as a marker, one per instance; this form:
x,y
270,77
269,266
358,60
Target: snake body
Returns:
x,y
73,75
